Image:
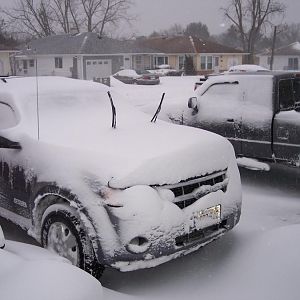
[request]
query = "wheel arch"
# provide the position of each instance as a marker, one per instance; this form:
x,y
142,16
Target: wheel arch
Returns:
x,y
50,195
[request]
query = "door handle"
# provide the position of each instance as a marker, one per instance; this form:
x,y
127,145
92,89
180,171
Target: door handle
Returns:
x,y
230,120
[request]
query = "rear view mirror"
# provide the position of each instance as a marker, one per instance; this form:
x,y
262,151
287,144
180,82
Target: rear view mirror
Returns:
x,y
192,103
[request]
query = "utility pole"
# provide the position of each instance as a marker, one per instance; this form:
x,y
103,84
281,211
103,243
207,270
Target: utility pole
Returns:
x,y
273,48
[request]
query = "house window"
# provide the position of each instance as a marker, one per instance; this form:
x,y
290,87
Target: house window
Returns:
x,y
293,63
138,59
217,59
25,65
31,63
181,62
58,62
161,60
206,62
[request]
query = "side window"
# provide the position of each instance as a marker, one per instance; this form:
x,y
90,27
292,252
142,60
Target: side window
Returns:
x,y
286,94
7,116
297,90
222,92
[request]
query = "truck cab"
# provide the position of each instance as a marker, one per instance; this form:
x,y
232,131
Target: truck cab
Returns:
x,y
259,113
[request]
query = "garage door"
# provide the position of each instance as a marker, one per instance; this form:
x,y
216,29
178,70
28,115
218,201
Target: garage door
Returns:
x,y
98,68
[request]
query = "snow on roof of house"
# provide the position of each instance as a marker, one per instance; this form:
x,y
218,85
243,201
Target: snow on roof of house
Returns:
x,y
186,44
291,49
81,43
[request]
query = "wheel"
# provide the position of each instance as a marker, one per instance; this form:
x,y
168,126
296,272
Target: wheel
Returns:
x,y
63,233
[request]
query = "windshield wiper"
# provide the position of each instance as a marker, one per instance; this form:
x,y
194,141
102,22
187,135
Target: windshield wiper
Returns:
x,y
153,120
114,113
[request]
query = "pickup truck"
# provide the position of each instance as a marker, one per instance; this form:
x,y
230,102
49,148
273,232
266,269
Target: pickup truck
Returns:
x,y
259,113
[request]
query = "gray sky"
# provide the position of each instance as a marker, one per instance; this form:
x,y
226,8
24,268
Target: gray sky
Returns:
x,y
161,14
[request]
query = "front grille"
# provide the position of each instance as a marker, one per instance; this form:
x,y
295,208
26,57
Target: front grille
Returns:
x,y
189,191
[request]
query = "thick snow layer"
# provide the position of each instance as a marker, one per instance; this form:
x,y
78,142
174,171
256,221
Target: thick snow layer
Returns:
x,y
29,272
247,68
252,164
169,153
128,73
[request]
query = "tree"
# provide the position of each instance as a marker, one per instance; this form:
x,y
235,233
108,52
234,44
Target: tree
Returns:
x,y
189,68
99,13
198,30
250,18
42,18
29,16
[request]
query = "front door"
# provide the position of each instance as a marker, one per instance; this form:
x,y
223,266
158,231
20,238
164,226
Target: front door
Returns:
x,y
257,116
219,111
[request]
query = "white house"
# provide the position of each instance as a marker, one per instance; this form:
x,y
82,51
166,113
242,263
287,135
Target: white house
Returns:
x,y
285,58
5,60
83,56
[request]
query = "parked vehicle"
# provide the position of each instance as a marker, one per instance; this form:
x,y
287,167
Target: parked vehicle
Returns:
x,y
147,78
138,77
130,197
30,272
259,113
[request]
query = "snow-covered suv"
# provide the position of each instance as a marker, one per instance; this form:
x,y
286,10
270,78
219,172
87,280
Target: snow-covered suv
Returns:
x,y
128,197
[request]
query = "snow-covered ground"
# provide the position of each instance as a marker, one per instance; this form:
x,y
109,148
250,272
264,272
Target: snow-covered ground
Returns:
x,y
258,260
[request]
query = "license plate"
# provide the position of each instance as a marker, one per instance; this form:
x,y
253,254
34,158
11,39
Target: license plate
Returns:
x,y
207,217
152,77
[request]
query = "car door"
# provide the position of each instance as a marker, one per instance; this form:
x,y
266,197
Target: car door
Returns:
x,y
219,111
286,133
14,191
257,116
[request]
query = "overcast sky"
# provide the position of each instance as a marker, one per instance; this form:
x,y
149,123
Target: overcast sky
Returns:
x,y
161,14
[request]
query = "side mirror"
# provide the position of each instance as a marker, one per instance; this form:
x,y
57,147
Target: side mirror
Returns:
x,y
192,103
2,239
8,144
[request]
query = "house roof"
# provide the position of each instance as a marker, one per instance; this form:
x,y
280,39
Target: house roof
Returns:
x,y
6,48
89,43
82,43
291,49
186,44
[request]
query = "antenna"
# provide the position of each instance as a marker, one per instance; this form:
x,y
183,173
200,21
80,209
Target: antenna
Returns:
x,y
153,120
37,97
114,113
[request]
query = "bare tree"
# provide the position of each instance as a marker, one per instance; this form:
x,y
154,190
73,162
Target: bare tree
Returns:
x,y
31,17
199,30
66,14
100,13
42,18
250,18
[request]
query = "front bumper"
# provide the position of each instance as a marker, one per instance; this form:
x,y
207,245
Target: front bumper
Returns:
x,y
183,245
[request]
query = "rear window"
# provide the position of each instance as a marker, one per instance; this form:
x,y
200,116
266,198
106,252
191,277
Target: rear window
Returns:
x,y
286,94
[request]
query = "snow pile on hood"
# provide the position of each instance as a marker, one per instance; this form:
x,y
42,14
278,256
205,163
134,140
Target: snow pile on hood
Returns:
x,y
247,68
75,119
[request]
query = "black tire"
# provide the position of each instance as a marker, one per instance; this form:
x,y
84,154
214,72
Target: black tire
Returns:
x,y
87,260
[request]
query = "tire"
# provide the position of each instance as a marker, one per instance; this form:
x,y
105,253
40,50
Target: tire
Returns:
x,y
63,233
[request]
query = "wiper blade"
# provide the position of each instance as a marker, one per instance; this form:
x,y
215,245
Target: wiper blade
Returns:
x,y
153,120
114,113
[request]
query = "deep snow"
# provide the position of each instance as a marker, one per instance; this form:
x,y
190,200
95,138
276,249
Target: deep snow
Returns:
x,y
259,259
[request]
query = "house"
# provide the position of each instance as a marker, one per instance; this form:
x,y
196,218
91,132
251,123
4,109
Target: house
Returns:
x,y
86,56
6,66
285,58
207,56
83,56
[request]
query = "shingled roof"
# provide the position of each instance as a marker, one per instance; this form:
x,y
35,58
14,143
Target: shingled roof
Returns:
x,y
6,48
291,49
82,43
186,44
